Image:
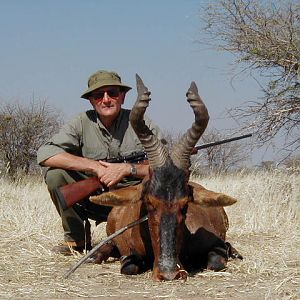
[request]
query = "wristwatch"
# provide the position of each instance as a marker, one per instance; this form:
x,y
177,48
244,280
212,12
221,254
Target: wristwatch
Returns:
x,y
133,170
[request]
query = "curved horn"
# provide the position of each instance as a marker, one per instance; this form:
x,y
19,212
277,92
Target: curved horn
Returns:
x,y
182,151
156,151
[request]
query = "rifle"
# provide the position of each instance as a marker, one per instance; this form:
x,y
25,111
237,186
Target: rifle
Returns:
x,y
69,194
199,147
72,193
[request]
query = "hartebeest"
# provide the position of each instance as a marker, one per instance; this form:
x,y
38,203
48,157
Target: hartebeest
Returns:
x,y
186,225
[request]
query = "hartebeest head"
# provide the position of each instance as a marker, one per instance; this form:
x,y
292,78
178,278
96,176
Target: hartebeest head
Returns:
x,y
167,191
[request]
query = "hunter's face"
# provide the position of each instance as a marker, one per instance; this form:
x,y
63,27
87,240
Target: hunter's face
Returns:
x,y
107,101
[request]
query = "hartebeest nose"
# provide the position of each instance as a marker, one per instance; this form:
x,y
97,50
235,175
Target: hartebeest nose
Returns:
x,y
179,273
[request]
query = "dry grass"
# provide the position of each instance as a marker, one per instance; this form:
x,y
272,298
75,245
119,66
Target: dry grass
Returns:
x,y
264,227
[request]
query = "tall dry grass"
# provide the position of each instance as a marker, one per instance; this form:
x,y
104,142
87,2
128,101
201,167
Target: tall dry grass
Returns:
x,y
268,201
265,222
264,227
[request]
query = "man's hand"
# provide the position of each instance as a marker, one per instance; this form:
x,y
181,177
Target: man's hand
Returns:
x,y
108,173
112,173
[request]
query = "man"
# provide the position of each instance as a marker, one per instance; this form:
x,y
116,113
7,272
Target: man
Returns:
x,y
79,148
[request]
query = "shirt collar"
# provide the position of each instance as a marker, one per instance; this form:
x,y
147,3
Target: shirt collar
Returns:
x,y
115,123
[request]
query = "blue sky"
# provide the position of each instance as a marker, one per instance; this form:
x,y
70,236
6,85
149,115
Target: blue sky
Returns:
x,y
50,48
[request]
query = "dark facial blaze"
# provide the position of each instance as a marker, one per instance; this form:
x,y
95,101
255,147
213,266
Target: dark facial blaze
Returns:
x,y
167,197
168,183
167,260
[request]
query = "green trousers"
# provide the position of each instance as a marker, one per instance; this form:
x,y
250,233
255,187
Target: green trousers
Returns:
x,y
75,220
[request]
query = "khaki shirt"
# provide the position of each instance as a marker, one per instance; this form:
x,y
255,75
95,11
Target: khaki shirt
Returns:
x,y
86,136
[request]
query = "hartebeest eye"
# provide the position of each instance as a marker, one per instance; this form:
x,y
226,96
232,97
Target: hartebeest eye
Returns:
x,y
184,209
152,203
151,208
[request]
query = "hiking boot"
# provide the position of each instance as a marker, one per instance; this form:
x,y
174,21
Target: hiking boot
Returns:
x,y
70,248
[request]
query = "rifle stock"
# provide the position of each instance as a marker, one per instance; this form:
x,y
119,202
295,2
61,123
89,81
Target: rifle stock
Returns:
x,y
72,193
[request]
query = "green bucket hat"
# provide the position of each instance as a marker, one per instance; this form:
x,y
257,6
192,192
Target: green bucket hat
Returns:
x,y
103,78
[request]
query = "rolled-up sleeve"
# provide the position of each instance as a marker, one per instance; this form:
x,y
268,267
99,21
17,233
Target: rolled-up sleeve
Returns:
x,y
68,139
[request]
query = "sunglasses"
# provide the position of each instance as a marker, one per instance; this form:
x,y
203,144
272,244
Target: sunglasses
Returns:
x,y
112,93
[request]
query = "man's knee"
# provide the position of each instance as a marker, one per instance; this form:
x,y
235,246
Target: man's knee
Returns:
x,y
57,177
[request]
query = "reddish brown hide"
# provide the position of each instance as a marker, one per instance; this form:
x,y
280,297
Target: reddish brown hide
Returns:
x,y
187,224
199,232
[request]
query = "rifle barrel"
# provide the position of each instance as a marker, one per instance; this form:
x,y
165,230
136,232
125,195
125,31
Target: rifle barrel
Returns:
x,y
223,141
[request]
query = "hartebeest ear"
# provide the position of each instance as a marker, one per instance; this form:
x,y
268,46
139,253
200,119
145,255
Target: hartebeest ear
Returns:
x,y
119,197
206,197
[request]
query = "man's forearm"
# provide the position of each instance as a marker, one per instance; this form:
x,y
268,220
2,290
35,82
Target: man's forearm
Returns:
x,y
69,161
108,173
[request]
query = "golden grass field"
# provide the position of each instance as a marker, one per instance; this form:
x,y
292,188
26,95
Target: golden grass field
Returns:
x,y
264,227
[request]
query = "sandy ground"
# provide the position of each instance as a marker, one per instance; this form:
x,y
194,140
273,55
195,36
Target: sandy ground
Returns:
x,y
258,276
264,227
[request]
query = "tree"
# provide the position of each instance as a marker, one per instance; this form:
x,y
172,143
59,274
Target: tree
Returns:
x,y
170,138
215,159
264,36
267,165
293,163
23,129
219,158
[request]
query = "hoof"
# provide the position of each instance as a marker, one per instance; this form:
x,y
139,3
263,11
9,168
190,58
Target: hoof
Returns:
x,y
232,252
131,265
217,259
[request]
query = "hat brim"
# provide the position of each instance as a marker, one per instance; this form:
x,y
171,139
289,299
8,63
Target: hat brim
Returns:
x,y
87,93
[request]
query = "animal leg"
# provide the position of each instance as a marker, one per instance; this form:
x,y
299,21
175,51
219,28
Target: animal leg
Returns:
x,y
106,251
217,259
132,264
232,252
